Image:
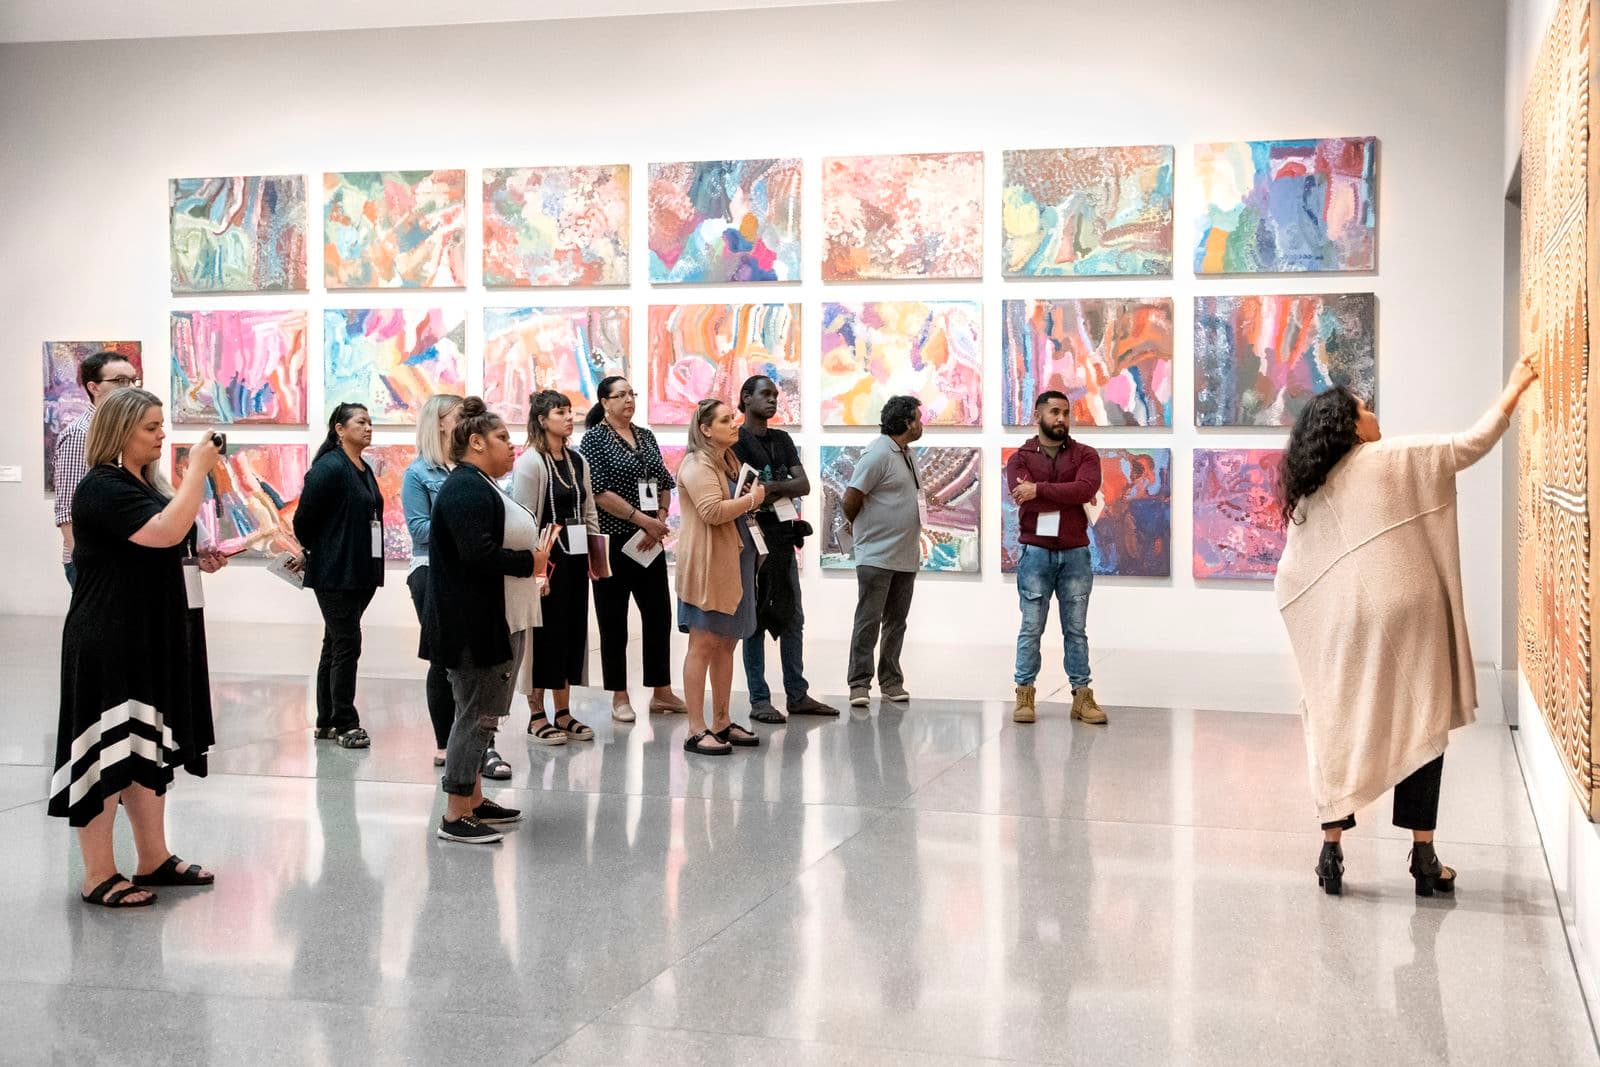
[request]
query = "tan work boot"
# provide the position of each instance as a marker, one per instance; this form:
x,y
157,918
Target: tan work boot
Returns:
x,y
1024,711
1085,709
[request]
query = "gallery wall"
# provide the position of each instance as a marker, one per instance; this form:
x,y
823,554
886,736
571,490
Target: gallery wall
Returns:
x,y
94,131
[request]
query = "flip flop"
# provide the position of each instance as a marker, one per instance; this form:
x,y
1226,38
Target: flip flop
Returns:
x,y
743,739
102,896
695,743
168,874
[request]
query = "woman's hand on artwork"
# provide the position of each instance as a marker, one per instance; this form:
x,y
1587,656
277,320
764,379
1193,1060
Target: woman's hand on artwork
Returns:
x,y
1525,373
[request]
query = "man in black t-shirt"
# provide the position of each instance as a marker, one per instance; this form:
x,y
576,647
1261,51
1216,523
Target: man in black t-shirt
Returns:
x,y
772,453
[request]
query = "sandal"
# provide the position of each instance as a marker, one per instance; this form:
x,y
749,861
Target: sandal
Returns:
x,y
546,733
102,896
355,737
168,874
743,739
325,733
495,767
697,743
574,729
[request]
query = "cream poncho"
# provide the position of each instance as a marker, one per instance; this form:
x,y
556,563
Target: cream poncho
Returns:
x,y
1370,590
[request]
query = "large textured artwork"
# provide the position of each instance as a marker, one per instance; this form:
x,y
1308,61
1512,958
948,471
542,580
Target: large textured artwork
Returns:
x,y
1133,538
389,463
1238,526
932,350
672,456
392,360
951,483
915,216
1258,360
1277,206
553,226
725,220
64,398
1557,506
238,235
239,366
708,350
1073,212
1112,358
394,229
250,495
569,349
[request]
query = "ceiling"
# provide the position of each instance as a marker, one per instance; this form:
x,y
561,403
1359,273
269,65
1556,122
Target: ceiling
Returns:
x,y
99,20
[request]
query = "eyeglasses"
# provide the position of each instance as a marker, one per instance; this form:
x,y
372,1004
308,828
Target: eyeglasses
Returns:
x,y
629,395
122,381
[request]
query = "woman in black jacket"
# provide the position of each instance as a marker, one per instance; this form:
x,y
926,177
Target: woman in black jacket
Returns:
x,y
340,523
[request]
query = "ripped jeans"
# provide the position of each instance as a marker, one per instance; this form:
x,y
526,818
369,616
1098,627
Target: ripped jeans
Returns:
x,y
483,697
1066,575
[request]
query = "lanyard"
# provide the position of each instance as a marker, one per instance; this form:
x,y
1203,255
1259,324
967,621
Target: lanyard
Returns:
x,y
905,454
576,486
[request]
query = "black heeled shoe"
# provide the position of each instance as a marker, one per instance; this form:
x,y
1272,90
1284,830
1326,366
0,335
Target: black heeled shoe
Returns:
x,y
1431,875
1330,868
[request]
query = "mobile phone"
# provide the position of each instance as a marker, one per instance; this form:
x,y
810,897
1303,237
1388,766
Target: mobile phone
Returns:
x,y
221,441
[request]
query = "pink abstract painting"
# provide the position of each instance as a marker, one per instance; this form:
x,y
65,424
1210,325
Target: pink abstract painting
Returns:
x,y
64,398
699,351
932,350
250,496
389,463
911,216
555,226
239,366
1239,530
569,349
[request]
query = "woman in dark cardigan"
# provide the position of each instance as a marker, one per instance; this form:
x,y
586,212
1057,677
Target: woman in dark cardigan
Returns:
x,y
340,522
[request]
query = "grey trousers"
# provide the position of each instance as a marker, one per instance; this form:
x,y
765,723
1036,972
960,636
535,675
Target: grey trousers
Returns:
x,y
883,600
483,697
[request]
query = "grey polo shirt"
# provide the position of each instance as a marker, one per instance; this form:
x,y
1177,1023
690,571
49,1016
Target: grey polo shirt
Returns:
x,y
886,533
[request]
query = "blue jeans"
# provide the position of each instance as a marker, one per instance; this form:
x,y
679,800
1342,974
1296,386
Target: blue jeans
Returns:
x,y
72,574
1069,575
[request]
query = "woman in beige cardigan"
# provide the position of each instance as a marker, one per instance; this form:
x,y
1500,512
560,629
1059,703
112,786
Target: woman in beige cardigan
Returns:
x,y
716,575
1370,590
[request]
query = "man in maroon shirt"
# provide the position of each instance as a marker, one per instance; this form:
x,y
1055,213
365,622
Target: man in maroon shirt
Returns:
x,y
1052,477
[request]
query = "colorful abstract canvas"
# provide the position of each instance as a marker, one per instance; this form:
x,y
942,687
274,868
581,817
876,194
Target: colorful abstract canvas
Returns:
x,y
394,229
1274,206
1238,523
238,235
64,398
672,456
239,366
725,220
250,495
571,349
389,463
708,350
392,360
1075,212
952,481
554,226
1133,538
1258,360
914,216
1112,358
932,350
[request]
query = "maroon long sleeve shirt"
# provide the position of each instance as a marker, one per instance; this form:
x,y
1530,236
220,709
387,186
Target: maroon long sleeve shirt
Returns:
x,y
1066,483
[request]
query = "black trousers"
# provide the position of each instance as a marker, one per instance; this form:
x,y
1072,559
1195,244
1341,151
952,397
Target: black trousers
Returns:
x,y
441,701
1416,800
646,587
341,651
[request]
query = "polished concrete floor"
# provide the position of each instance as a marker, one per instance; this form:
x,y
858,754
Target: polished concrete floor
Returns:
x,y
930,885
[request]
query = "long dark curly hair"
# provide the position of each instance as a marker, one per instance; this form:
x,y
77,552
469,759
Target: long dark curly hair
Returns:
x,y
1324,434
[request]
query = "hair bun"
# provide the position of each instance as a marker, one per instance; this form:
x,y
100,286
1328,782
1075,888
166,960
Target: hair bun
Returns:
x,y
473,406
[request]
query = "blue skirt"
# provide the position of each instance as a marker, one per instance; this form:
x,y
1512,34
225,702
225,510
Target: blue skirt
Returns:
x,y
742,623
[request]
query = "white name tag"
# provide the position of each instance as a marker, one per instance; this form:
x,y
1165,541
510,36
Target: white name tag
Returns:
x,y
1048,524
577,539
648,499
755,536
377,539
192,588
922,509
784,508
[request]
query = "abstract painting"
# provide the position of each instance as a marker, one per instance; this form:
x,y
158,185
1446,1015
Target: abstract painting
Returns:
x,y
391,360
914,216
1238,525
64,398
952,485
1077,212
250,494
239,366
1558,508
552,226
394,229
725,220
389,463
932,350
1133,538
708,350
1258,360
238,235
672,456
1274,206
570,349
1112,358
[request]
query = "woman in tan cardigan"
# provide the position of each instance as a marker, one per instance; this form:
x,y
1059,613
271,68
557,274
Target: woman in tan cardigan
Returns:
x,y
716,575
1370,591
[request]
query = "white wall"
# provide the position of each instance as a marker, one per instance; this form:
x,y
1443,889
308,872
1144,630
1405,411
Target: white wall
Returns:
x,y
93,131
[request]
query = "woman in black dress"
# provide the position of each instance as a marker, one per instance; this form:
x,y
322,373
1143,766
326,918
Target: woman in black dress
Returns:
x,y
135,694
552,481
340,523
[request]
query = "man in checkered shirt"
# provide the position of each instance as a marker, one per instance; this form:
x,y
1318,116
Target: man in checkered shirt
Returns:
x,y
100,375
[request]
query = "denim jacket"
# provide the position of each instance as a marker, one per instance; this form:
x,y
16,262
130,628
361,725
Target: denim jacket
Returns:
x,y
417,492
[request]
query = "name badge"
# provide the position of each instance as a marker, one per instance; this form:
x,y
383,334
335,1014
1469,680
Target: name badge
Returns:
x,y
755,536
648,500
577,536
922,509
192,589
1048,524
377,539
784,508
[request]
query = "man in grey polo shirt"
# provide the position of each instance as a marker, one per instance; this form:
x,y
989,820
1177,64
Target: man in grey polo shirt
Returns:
x,y
883,504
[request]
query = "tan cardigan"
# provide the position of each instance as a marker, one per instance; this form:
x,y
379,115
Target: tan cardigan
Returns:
x,y
1370,590
708,541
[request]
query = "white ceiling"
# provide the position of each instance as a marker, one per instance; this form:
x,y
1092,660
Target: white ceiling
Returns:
x,y
98,20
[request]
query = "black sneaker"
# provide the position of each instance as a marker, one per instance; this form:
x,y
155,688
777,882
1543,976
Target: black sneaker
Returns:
x,y
469,830
491,813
